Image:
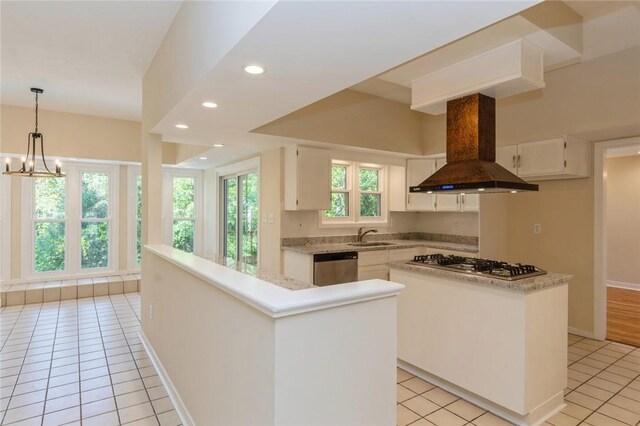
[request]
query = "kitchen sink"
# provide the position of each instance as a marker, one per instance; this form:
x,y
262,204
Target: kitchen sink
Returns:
x,y
371,244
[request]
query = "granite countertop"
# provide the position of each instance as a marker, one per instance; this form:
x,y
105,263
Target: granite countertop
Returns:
x,y
524,285
253,271
395,244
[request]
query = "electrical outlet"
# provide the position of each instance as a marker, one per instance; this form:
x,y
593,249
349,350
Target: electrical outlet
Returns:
x,y
150,312
537,228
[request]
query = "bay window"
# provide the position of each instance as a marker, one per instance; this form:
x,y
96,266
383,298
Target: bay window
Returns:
x,y
70,225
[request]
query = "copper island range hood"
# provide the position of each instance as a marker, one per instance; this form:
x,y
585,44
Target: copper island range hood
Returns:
x,y
471,152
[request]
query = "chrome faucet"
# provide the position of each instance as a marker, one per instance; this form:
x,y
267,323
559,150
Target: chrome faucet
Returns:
x,y
362,234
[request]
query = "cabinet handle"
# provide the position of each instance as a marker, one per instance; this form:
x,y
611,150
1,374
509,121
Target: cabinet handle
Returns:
x,y
514,161
457,199
519,161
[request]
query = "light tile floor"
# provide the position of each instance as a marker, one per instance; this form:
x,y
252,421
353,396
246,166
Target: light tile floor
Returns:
x,y
603,389
78,362
81,362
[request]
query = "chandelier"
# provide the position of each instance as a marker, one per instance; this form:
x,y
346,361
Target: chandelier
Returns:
x,y
29,162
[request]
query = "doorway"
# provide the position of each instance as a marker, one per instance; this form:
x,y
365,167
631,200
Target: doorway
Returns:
x,y
240,217
617,241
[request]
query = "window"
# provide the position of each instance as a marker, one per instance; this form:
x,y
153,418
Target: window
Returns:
x,y
94,223
184,215
71,228
134,217
339,191
138,223
240,215
49,225
370,194
182,194
357,194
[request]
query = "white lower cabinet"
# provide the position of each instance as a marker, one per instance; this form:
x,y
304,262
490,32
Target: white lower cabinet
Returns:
x,y
298,266
373,264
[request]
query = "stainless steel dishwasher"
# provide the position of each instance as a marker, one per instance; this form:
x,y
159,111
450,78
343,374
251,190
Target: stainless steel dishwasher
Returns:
x,y
335,268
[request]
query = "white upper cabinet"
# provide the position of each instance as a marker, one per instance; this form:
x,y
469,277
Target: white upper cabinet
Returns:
x,y
417,171
507,157
469,202
446,202
398,189
307,178
558,158
541,158
420,169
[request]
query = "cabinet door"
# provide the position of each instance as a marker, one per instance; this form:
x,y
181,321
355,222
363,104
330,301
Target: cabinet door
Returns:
x,y
417,171
470,202
402,254
307,182
507,157
446,202
541,158
397,188
380,272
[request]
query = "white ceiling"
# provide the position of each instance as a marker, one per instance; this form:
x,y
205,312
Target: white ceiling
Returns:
x,y
336,45
608,27
88,56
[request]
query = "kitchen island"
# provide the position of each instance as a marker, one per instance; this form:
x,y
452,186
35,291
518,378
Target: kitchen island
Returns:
x,y
234,349
499,344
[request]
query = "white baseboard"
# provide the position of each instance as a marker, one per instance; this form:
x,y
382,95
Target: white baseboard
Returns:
x,y
627,286
582,333
179,406
535,417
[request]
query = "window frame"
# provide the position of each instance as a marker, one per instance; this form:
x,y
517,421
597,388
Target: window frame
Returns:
x,y
73,223
353,189
5,227
167,202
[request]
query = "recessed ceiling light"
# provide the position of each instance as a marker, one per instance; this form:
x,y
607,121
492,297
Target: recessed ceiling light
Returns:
x,y
209,104
217,145
254,69
182,126
203,158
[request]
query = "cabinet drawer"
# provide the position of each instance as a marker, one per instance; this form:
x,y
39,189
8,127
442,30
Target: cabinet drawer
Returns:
x,y
380,272
377,257
401,254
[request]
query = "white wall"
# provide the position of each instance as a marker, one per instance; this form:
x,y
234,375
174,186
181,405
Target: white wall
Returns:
x,y
623,220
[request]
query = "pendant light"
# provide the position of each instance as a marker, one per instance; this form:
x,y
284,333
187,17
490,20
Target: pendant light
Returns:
x,y
28,168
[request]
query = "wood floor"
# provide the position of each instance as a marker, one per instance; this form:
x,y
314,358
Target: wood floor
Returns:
x,y
623,315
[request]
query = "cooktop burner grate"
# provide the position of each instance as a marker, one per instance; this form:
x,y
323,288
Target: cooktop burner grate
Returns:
x,y
472,265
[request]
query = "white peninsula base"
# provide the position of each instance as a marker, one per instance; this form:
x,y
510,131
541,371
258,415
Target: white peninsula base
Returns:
x,y
236,350
502,348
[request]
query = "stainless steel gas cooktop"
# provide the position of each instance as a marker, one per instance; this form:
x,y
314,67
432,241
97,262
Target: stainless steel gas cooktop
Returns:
x,y
484,267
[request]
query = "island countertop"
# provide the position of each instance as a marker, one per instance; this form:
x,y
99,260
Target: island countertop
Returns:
x,y
524,285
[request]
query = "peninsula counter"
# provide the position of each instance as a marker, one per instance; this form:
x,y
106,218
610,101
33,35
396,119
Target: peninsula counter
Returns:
x,y
234,349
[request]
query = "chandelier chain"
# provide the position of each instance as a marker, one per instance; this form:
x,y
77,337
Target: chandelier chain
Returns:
x,y
36,112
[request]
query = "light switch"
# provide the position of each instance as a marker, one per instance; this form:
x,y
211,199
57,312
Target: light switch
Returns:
x,y
537,228
270,218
